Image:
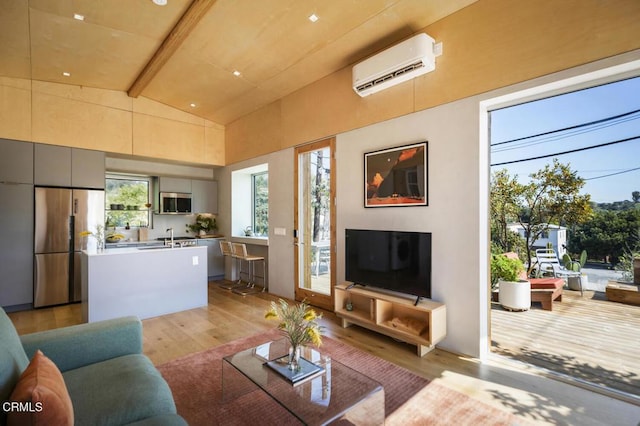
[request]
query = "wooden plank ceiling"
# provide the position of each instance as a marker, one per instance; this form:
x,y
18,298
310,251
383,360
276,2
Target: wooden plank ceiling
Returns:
x,y
185,52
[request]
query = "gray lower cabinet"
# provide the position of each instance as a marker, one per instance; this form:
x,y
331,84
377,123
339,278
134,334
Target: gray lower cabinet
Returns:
x,y
215,259
16,245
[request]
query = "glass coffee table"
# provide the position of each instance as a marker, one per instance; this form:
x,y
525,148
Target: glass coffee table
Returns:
x,y
339,392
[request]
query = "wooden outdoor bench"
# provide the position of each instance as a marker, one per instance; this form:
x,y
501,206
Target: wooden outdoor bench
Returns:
x,y
623,293
546,290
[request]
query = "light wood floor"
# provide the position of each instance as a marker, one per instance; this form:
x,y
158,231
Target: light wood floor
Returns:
x,y
514,387
587,337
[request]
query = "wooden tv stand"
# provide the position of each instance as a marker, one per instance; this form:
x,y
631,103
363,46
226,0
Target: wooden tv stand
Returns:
x,y
423,325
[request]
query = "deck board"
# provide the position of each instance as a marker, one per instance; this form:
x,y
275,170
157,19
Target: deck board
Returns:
x,y
586,337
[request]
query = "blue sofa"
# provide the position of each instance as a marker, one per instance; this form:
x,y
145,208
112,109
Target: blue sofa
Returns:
x,y
110,381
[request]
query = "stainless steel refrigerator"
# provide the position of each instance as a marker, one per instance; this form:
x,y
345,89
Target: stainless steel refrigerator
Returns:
x,y
60,215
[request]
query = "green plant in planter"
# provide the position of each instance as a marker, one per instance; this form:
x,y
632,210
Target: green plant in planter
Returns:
x,y
204,223
504,268
574,265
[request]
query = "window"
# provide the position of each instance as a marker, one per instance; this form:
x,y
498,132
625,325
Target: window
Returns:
x,y
127,201
250,201
260,204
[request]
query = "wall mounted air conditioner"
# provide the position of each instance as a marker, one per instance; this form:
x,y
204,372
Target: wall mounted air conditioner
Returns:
x,y
402,62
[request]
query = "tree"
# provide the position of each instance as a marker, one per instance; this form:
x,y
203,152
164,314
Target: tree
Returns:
x,y
127,192
609,234
635,196
551,197
261,204
320,196
317,197
505,191
617,205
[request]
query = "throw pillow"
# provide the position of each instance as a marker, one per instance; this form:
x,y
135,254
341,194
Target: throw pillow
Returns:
x,y
42,394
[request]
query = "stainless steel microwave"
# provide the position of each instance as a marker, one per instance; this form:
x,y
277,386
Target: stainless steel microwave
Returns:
x,y
175,203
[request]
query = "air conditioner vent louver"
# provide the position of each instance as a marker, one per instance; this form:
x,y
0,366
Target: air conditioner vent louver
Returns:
x,y
390,76
406,60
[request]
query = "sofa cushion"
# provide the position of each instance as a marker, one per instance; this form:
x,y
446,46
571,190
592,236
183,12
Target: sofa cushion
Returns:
x,y
546,283
13,359
84,344
118,391
42,386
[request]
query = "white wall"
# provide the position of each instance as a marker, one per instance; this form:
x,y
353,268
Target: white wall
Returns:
x,y
452,133
280,253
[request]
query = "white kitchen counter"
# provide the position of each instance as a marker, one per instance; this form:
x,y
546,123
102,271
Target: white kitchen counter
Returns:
x,y
142,282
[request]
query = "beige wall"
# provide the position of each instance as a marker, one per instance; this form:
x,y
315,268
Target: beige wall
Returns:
x,y
488,45
106,120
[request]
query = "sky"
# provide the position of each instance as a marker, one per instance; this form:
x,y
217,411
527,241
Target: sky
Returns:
x,y
568,110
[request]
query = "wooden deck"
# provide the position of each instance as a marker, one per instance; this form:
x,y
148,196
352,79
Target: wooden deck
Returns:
x,y
589,338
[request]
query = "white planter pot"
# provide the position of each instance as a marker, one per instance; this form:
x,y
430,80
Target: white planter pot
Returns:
x,y
574,283
515,295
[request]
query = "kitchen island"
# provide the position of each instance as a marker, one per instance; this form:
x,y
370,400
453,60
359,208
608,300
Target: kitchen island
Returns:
x,y
144,281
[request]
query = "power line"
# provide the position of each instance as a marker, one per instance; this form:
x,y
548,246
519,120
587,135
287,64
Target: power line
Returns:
x,y
577,126
614,174
566,152
570,134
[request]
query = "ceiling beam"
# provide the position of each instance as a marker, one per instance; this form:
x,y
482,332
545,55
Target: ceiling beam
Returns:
x,y
178,34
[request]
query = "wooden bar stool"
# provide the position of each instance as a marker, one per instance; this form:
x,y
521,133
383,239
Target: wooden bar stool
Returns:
x,y
239,251
227,251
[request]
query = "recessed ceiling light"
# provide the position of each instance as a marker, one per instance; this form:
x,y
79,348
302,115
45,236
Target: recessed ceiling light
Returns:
x,y
160,2
66,74
78,17
192,105
313,17
237,73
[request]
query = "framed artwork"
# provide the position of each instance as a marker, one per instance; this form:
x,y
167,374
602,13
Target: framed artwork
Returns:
x,y
396,177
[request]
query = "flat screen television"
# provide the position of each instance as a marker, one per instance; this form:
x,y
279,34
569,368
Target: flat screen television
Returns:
x,y
393,260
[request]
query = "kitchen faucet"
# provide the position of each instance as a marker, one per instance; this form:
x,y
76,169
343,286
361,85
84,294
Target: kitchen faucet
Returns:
x,y
171,230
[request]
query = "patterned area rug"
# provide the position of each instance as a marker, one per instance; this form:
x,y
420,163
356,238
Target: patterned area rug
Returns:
x,y
195,381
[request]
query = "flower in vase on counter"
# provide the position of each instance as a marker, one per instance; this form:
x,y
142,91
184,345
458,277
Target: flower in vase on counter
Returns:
x,y
98,235
298,322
